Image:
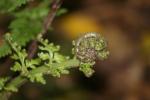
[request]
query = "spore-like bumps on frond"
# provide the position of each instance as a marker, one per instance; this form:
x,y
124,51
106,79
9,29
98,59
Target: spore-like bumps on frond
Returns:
x,y
87,49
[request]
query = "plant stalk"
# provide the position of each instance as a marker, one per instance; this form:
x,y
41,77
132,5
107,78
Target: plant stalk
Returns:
x,y
20,80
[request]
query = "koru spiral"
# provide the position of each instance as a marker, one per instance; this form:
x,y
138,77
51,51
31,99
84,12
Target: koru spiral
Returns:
x,y
89,47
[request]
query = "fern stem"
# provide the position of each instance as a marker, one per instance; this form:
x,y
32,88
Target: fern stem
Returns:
x,y
20,80
68,64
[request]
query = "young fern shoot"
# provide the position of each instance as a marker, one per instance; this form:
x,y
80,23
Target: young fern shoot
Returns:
x,y
49,61
87,49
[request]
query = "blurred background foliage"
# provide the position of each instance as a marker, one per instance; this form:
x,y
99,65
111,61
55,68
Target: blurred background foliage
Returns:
x,y
124,76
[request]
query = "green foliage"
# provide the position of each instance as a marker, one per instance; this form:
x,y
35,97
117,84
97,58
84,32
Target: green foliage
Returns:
x,y
5,49
38,77
51,62
10,5
49,54
61,11
2,82
86,68
11,88
26,25
20,56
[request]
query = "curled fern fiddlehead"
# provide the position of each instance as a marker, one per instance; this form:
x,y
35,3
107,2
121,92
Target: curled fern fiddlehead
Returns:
x,y
88,48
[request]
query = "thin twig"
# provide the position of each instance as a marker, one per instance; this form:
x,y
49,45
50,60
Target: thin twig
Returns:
x,y
51,15
55,5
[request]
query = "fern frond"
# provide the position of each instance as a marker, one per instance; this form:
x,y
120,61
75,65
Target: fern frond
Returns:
x,y
26,26
5,49
10,5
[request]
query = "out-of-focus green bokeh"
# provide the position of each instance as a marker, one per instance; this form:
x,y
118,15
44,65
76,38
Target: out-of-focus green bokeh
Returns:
x,y
125,75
